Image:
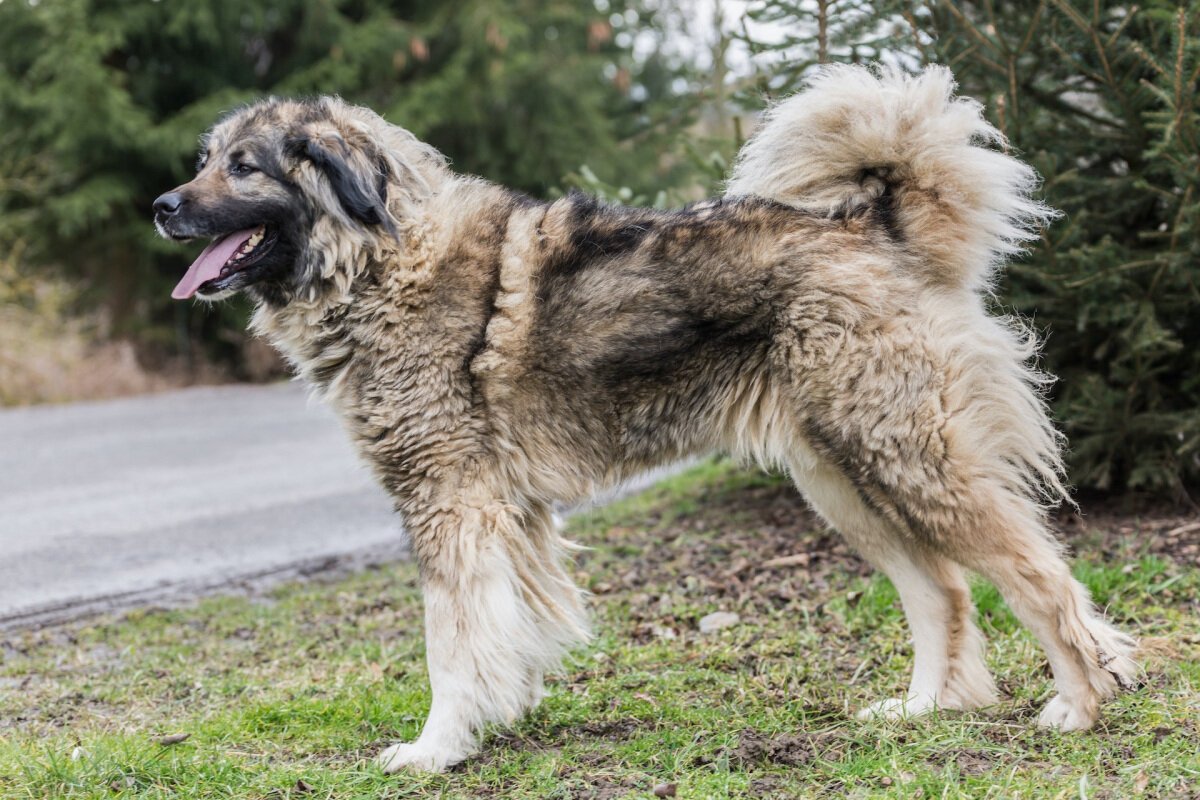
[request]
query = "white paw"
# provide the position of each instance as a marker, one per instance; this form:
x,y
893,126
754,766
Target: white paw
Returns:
x,y
416,757
898,708
1066,715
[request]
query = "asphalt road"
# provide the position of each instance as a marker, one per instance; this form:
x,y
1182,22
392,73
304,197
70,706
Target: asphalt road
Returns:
x,y
120,503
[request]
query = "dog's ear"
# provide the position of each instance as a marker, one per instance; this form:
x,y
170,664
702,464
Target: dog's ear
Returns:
x,y
359,180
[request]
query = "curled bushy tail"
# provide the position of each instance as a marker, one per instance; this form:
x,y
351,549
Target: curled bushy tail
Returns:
x,y
857,136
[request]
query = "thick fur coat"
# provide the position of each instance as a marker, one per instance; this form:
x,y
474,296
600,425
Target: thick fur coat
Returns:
x,y
492,355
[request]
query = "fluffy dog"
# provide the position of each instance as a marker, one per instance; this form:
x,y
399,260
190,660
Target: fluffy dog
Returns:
x,y
492,355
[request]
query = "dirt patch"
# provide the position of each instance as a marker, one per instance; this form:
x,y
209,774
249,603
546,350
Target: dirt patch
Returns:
x,y
581,783
756,548
615,731
790,749
974,762
1166,532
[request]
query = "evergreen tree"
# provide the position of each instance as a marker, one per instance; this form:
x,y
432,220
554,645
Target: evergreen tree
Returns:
x,y
101,103
1101,98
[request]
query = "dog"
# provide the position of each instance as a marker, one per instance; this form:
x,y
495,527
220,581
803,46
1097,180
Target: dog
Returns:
x,y
492,355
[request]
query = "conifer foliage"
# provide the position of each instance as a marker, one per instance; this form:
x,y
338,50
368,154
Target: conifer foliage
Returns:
x,y
1101,98
102,102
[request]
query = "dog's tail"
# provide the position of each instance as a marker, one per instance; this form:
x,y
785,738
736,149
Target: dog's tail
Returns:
x,y
857,139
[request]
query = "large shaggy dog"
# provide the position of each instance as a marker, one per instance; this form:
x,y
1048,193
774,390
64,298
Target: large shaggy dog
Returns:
x,y
492,355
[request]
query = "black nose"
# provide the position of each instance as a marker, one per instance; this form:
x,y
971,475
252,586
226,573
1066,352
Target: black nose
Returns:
x,y
168,203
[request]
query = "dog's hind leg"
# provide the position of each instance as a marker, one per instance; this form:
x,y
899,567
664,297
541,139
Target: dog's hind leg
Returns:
x,y
499,611
952,469
949,670
964,504
934,417
1090,659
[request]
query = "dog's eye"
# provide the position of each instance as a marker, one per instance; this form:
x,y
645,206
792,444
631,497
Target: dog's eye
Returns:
x,y
242,169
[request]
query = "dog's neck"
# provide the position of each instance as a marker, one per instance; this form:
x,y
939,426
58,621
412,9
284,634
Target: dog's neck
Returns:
x,y
367,350
318,334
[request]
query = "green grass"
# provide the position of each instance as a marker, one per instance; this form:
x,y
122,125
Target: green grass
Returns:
x,y
290,695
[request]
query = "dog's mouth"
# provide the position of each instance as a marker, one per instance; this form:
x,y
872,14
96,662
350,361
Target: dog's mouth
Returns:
x,y
218,267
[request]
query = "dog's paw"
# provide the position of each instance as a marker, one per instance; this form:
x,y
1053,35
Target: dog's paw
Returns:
x,y
415,757
898,708
1068,715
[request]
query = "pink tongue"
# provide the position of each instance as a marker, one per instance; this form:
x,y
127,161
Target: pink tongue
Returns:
x,y
208,265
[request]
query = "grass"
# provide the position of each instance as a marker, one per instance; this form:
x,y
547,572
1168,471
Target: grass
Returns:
x,y
291,694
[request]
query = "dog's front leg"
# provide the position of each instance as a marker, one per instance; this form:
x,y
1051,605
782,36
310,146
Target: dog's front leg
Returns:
x,y
499,611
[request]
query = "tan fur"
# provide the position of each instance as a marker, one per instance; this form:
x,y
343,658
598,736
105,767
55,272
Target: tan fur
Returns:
x,y
966,205
493,356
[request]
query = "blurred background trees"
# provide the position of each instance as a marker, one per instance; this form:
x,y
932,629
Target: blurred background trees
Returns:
x,y
1101,98
101,102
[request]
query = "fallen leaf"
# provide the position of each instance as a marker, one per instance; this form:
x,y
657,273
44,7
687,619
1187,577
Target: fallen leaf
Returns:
x,y
172,738
718,620
797,560
1140,782
646,698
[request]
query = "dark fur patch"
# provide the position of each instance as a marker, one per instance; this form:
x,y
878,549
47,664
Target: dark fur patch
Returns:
x,y
873,492
476,345
599,232
364,197
657,354
325,372
881,210
842,456
323,375
884,208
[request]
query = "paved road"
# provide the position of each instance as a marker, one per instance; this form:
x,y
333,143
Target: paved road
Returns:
x,y
130,501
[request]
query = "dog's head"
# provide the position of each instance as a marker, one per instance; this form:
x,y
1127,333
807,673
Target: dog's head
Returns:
x,y
295,196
